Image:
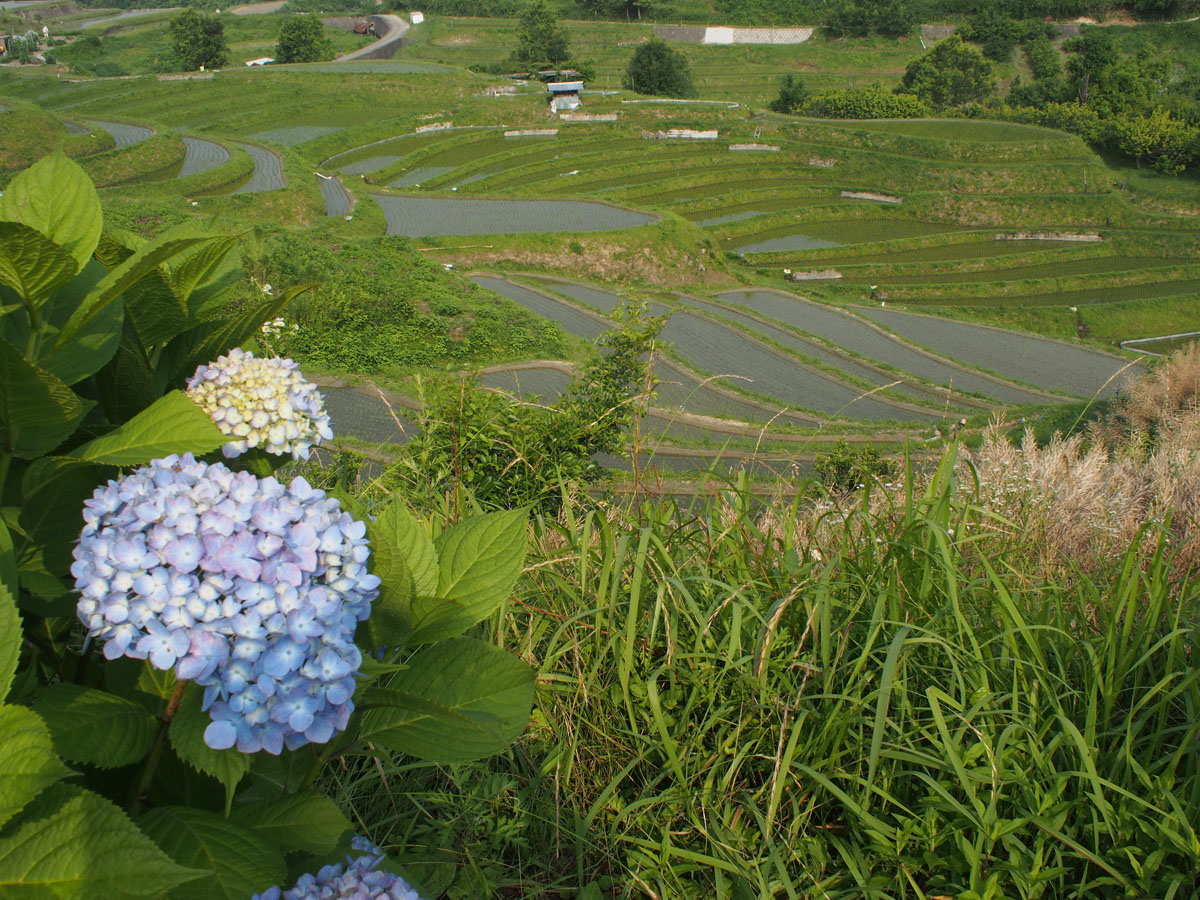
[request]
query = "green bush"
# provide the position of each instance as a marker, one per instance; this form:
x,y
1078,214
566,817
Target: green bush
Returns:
x,y
871,102
657,68
302,38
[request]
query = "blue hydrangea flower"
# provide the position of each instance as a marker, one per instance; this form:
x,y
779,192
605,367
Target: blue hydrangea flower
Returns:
x,y
359,879
261,403
247,587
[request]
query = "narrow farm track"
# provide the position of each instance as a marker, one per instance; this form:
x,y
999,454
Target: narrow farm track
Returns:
x,y
125,135
387,45
1054,365
337,201
268,170
862,339
201,155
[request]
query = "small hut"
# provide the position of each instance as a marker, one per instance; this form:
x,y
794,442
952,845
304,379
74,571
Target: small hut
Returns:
x,y
564,95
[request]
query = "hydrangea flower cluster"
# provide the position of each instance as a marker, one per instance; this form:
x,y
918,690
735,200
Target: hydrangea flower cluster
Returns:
x,y
245,586
360,879
261,403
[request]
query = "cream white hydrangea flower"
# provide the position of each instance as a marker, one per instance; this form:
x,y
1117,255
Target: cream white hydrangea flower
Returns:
x,y
263,403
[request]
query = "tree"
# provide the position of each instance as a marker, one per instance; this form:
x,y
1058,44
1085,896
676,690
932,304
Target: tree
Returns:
x,y
1165,142
655,68
199,40
995,32
950,74
792,94
540,39
1092,55
302,39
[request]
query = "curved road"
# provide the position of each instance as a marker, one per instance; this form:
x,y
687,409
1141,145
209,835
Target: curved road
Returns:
x,y
396,29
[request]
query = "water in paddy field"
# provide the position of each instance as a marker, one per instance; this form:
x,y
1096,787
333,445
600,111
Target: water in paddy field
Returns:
x,y
428,216
785,242
360,414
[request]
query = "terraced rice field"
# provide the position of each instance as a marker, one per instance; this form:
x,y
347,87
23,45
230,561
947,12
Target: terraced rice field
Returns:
x,y
361,414
956,252
268,171
294,135
850,333
368,165
718,350
416,176
1052,365
1176,287
337,201
421,216
832,233
543,383
201,155
72,127
1093,265
125,135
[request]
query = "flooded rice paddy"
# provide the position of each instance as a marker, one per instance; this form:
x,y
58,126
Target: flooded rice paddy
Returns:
x,y
201,155
268,171
125,135
426,216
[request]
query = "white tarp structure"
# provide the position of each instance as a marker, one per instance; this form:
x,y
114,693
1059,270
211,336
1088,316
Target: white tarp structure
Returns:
x,y
261,61
416,18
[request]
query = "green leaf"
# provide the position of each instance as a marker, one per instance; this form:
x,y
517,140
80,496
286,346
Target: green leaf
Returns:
x,y
52,494
11,633
390,623
242,863
146,260
187,740
309,822
460,700
55,196
414,544
155,313
94,345
37,411
209,344
95,727
172,424
75,845
32,264
480,560
207,263
27,761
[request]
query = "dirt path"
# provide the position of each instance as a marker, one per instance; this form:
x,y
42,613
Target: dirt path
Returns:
x,y
257,9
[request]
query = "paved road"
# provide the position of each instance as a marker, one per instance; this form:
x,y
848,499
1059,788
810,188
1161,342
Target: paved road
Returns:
x,y
396,29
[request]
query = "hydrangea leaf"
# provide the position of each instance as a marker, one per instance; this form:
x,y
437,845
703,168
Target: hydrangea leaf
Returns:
x,y
32,264
94,345
309,822
27,761
242,863
390,623
479,563
172,424
459,700
415,546
37,411
187,739
76,845
10,620
144,261
95,727
55,197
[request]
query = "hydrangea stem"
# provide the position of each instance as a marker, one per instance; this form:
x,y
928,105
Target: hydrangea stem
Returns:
x,y
142,785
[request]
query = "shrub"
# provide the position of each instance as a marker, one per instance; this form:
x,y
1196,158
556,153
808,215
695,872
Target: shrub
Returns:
x,y
871,102
792,95
198,40
950,74
302,38
656,68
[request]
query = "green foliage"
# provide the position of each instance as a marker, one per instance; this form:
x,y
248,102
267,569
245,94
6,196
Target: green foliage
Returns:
x,y
198,40
302,39
1165,142
100,323
657,68
871,102
995,32
792,95
540,38
949,74
847,467
381,308
506,453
